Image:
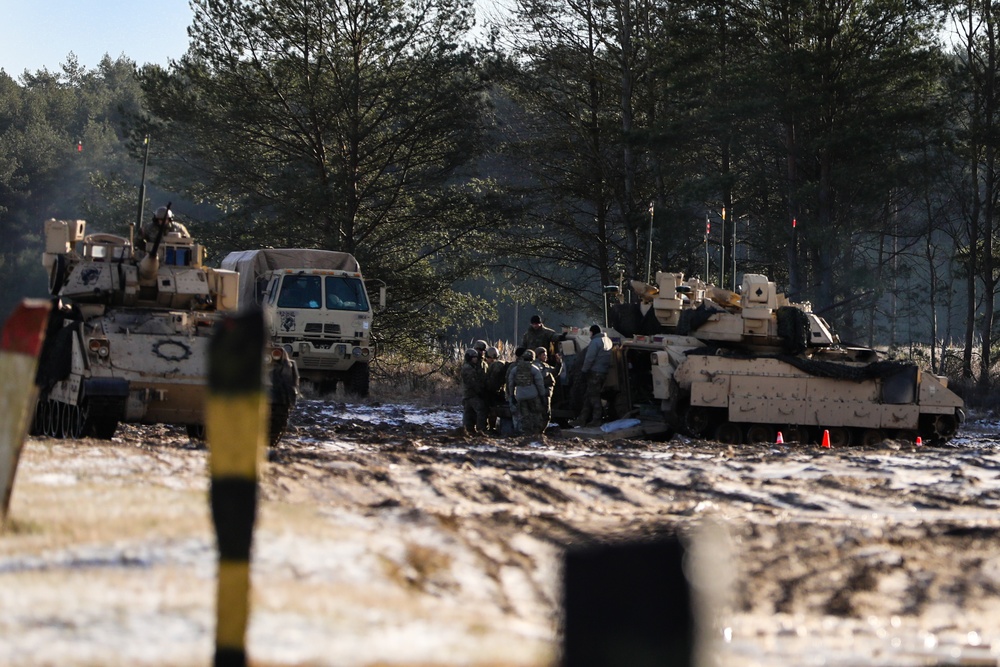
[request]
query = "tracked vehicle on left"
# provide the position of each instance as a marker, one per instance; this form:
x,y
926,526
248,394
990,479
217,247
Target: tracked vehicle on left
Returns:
x,y
127,340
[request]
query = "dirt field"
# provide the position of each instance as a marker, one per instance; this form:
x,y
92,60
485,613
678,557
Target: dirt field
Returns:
x,y
386,538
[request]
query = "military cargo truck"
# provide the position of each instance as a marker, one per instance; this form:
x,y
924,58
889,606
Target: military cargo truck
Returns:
x,y
127,339
741,367
318,311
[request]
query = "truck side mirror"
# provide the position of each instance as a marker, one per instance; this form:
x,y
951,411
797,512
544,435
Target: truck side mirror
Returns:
x,y
381,296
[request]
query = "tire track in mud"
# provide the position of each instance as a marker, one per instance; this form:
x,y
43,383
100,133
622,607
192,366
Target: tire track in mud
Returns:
x,y
882,532
903,535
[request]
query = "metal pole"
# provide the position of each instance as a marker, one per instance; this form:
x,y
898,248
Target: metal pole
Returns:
x,y
708,227
649,260
735,222
722,251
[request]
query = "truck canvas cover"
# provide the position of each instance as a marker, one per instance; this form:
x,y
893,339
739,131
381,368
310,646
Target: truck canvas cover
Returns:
x,y
251,264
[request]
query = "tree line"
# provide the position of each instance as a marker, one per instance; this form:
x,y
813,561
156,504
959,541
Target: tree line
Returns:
x,y
844,148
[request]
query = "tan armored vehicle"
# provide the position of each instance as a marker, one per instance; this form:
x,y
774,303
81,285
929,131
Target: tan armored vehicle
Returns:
x,y
128,337
744,367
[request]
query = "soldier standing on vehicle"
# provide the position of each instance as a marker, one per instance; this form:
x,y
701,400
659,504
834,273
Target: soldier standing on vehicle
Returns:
x,y
548,379
163,218
526,393
596,364
539,335
474,392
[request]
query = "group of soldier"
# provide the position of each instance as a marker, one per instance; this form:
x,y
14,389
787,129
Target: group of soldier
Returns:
x,y
524,387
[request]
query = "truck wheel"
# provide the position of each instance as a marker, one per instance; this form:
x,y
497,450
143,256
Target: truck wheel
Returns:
x,y
196,431
278,424
357,380
326,387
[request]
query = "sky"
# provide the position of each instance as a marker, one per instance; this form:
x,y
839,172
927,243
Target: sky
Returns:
x,y
38,34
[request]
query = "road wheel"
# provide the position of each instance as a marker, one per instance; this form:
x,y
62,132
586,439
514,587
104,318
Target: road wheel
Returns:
x,y
760,433
38,423
729,433
76,421
840,436
53,416
872,437
795,434
697,421
66,420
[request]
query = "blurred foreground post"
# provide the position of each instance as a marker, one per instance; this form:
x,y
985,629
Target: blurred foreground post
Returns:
x,y
235,424
21,341
628,605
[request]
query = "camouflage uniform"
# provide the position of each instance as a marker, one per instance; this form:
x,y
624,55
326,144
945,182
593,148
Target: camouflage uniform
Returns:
x,y
163,219
548,379
474,393
496,378
596,364
526,393
540,336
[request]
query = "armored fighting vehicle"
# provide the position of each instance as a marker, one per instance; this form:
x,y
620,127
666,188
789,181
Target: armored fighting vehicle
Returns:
x,y
128,337
742,367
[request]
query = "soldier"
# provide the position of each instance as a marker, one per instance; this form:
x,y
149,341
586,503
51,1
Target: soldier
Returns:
x,y
548,379
163,218
480,347
474,391
596,364
539,335
526,393
496,378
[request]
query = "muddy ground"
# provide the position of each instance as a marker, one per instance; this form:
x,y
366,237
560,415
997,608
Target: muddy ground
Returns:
x,y
385,537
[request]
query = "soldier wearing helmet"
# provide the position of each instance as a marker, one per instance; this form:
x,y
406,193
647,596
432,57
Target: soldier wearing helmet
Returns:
x,y
496,377
163,218
474,393
549,373
526,392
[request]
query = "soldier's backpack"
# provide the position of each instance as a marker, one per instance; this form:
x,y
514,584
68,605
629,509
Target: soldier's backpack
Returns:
x,y
524,384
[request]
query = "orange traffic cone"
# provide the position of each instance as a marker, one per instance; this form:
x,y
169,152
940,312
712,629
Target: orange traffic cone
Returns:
x,y
920,442
826,439
780,440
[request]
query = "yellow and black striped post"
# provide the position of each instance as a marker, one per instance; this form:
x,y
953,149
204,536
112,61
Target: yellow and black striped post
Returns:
x,y
20,343
236,426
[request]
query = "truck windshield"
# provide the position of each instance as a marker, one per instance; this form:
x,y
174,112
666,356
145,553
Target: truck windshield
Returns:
x,y
343,293
300,292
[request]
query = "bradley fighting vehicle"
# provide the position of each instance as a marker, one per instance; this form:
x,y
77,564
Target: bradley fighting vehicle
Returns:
x,y
128,337
736,368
